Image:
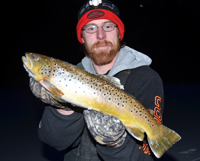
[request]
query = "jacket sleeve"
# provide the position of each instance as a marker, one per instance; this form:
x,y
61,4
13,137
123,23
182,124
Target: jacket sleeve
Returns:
x,y
146,86
60,131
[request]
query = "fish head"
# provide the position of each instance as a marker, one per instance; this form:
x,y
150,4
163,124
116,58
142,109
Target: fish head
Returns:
x,y
38,66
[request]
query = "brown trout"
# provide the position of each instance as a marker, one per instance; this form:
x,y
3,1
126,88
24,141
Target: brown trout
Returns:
x,y
67,83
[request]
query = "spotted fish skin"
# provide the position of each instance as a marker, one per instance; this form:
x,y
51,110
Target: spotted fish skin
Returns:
x,y
68,83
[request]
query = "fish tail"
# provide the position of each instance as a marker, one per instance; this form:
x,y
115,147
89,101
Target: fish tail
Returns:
x,y
163,141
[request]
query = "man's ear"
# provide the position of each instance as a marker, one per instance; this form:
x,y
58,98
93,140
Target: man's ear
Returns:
x,y
82,40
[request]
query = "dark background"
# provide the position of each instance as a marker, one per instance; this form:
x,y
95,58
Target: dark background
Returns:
x,y
166,30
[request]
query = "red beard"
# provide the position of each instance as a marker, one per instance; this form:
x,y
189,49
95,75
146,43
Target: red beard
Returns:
x,y
103,56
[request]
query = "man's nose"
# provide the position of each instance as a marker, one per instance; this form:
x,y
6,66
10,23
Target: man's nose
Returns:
x,y
101,35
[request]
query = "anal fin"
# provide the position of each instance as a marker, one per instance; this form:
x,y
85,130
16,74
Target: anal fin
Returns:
x,y
136,132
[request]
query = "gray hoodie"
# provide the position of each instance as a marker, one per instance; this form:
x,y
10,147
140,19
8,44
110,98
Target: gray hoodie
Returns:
x,y
128,58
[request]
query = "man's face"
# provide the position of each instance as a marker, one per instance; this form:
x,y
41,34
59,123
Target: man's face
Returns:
x,y
101,46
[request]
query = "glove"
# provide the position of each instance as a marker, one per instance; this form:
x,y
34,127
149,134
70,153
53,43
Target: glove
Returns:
x,y
45,96
104,128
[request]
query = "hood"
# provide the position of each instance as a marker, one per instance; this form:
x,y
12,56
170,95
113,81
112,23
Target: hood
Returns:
x,y
128,58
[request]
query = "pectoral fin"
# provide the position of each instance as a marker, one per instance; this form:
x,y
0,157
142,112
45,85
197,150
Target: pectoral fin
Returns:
x,y
136,132
56,93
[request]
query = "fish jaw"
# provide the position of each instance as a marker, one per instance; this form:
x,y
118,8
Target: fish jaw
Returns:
x,y
34,64
25,65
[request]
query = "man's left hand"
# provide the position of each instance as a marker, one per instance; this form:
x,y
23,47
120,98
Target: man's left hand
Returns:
x,y
105,129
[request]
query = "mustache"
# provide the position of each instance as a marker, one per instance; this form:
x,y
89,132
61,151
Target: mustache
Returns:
x,y
102,43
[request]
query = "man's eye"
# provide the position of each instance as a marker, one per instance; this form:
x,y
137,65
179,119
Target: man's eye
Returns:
x,y
108,26
90,28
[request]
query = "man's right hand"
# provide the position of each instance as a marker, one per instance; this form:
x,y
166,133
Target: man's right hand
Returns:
x,y
45,96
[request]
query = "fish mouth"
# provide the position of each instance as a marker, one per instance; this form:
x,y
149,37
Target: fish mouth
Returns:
x,y
25,65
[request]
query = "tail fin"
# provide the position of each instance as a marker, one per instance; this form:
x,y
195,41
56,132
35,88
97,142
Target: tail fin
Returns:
x,y
163,141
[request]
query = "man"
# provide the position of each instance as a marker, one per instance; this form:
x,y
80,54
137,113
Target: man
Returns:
x,y
91,135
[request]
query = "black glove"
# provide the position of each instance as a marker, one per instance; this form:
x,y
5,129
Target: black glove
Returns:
x,y
105,129
45,96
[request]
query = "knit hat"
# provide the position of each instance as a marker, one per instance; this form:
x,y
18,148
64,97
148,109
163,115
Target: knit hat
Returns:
x,y
97,9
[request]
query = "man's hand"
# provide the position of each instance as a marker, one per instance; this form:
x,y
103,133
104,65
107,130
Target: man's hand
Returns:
x,y
105,129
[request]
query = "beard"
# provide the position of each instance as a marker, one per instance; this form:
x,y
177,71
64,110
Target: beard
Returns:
x,y
102,56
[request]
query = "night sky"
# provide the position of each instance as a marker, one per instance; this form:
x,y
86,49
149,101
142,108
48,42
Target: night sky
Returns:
x,y
166,30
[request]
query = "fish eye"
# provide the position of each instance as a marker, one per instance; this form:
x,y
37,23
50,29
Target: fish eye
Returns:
x,y
35,58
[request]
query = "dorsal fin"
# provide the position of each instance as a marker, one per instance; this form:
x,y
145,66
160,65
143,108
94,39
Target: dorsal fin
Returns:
x,y
113,80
